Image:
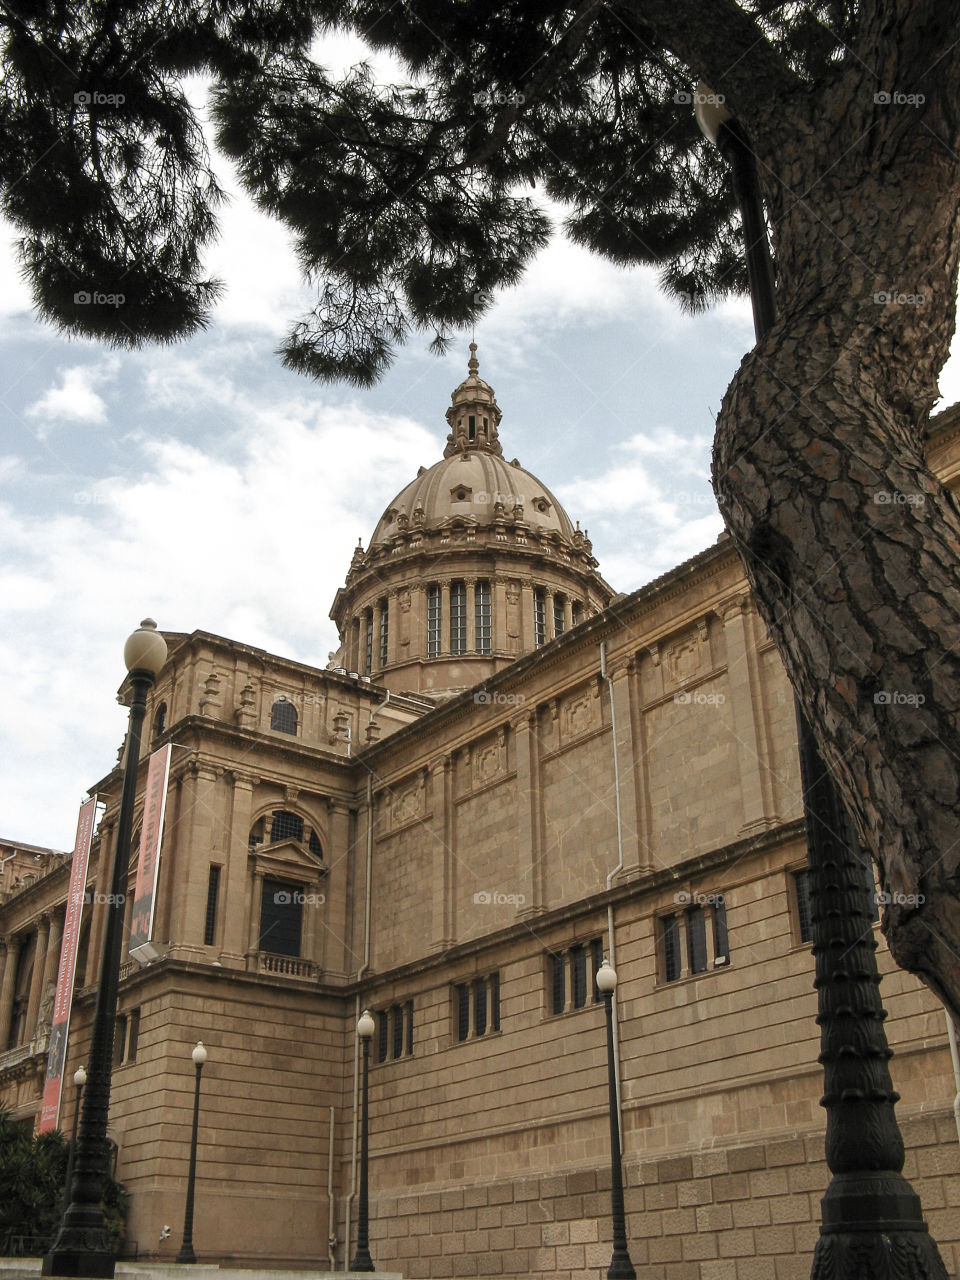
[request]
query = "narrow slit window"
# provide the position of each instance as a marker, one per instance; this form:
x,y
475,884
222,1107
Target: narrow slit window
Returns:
x,y
210,919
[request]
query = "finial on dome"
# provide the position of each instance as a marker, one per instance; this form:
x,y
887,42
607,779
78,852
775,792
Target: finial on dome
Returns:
x,y
473,364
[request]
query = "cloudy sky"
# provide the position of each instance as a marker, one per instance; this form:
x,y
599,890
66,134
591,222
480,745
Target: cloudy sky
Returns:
x,y
203,485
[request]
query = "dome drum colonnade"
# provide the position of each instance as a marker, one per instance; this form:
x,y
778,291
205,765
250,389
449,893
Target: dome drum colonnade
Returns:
x,y
473,564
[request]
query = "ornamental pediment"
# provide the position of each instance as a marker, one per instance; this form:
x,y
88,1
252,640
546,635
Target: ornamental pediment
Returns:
x,y
287,857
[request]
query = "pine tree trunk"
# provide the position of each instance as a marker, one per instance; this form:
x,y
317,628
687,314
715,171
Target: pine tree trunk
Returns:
x,y
851,546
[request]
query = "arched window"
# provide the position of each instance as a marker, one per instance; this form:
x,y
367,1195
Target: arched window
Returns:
x,y
283,716
286,826
160,720
315,846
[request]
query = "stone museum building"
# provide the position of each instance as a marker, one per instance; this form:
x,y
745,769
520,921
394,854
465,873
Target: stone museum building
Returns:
x,y
506,773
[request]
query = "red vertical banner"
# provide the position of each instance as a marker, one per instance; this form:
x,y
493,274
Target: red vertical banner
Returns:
x,y
66,974
151,833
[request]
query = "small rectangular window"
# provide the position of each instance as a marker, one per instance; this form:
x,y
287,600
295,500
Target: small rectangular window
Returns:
x,y
801,889
558,615
479,1008
119,1039
396,1014
210,919
577,612
721,941
367,641
483,630
596,960
539,617
494,1002
558,995
433,621
578,969
133,1034
697,939
383,1035
384,630
670,937
409,1011
463,1012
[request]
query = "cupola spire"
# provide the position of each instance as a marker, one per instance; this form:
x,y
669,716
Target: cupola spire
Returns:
x,y
474,414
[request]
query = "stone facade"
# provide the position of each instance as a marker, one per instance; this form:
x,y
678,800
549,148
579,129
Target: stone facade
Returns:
x,y
629,788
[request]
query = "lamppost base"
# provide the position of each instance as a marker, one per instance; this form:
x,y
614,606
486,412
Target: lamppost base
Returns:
x,y
362,1261
621,1268
95,1264
186,1254
873,1228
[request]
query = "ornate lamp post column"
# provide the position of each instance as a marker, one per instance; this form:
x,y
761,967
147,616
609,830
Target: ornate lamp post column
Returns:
x,y
186,1253
621,1267
361,1259
81,1247
871,1220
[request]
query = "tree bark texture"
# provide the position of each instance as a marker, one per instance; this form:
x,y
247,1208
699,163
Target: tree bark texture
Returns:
x,y
851,545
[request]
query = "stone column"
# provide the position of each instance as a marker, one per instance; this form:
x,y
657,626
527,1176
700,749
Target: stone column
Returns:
x,y
393,628
375,648
14,942
498,603
98,907
753,757
441,833
340,857
548,598
235,880
254,918
622,678
198,833
418,621
530,869
54,939
36,978
527,634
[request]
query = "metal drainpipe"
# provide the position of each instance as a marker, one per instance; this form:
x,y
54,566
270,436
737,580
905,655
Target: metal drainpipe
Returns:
x,y
611,945
331,1224
955,1058
356,1017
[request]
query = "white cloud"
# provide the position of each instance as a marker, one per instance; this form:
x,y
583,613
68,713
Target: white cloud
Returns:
x,y
75,399
248,536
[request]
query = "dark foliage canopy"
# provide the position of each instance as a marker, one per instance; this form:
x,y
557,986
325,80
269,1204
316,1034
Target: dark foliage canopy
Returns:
x,y
411,202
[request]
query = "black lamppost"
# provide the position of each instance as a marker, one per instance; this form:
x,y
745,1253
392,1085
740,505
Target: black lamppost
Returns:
x,y
186,1253
871,1218
621,1268
82,1247
361,1259
79,1079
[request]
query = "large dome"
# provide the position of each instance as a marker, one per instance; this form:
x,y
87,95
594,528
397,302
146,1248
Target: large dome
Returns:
x,y
473,564
477,486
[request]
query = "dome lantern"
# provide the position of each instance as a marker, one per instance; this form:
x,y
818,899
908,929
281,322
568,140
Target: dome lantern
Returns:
x,y
474,414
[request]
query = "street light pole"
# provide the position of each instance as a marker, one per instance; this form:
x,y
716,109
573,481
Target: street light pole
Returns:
x,y
361,1259
79,1079
186,1253
621,1267
82,1247
871,1219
